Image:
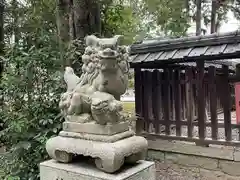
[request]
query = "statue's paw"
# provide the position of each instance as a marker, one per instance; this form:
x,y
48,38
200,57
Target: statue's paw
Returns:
x,y
71,110
102,120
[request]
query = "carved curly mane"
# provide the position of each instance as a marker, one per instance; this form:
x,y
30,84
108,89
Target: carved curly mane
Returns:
x,y
90,70
92,62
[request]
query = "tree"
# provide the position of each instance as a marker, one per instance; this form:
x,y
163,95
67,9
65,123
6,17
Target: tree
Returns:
x,y
213,16
235,7
1,36
198,17
76,19
32,82
171,16
1,54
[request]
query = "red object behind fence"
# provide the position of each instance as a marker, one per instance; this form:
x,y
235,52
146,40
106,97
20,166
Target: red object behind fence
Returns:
x,y
237,102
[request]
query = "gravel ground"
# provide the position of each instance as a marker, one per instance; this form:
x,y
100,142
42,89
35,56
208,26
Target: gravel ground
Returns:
x,y
233,115
221,133
179,172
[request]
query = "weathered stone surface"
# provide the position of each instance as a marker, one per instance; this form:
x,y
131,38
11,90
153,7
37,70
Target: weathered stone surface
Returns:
x,y
2,149
194,161
230,167
94,137
236,154
183,148
95,124
52,170
83,118
93,128
104,79
109,157
156,155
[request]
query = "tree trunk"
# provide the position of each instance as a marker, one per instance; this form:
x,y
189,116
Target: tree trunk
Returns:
x,y
63,20
63,7
76,19
15,20
213,16
95,17
72,33
187,6
86,18
1,27
1,37
198,17
1,54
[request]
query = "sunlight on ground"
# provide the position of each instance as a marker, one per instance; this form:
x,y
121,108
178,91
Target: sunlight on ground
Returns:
x,y
129,107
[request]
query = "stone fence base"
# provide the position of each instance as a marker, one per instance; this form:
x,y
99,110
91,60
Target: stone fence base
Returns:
x,y
215,162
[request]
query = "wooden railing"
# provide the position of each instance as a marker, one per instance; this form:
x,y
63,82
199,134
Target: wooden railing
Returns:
x,y
178,104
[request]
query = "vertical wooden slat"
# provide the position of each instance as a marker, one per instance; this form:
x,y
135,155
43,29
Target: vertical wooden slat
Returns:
x,y
226,103
182,80
184,97
189,100
171,95
156,99
238,134
167,100
207,107
162,95
213,101
177,101
147,98
138,99
143,98
194,92
171,99
219,99
201,99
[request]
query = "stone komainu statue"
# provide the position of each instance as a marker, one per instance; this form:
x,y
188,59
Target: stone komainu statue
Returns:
x,y
95,124
94,96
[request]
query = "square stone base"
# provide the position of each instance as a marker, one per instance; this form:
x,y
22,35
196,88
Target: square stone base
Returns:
x,y
52,170
91,128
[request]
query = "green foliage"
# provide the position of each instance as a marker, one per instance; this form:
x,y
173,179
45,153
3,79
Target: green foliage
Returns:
x,y
170,15
32,81
131,83
28,20
235,7
119,19
32,85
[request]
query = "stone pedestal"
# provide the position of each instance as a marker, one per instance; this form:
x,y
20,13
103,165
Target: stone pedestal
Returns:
x,y
110,145
53,170
109,157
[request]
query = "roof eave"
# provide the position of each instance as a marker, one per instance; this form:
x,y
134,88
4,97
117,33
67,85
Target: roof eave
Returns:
x,y
187,42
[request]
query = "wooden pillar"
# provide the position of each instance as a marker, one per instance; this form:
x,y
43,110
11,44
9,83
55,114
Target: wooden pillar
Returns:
x,y
138,99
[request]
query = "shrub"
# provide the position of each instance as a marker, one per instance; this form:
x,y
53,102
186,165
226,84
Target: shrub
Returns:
x,y
32,85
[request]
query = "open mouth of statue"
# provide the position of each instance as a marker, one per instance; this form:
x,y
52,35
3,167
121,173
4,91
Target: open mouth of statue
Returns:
x,y
108,54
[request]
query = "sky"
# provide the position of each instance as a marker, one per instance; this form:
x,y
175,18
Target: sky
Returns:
x,y
232,24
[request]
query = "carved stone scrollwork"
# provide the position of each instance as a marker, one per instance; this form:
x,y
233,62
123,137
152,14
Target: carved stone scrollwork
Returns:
x,y
63,156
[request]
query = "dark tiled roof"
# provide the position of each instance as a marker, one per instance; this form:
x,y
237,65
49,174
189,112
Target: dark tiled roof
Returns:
x,y
210,47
